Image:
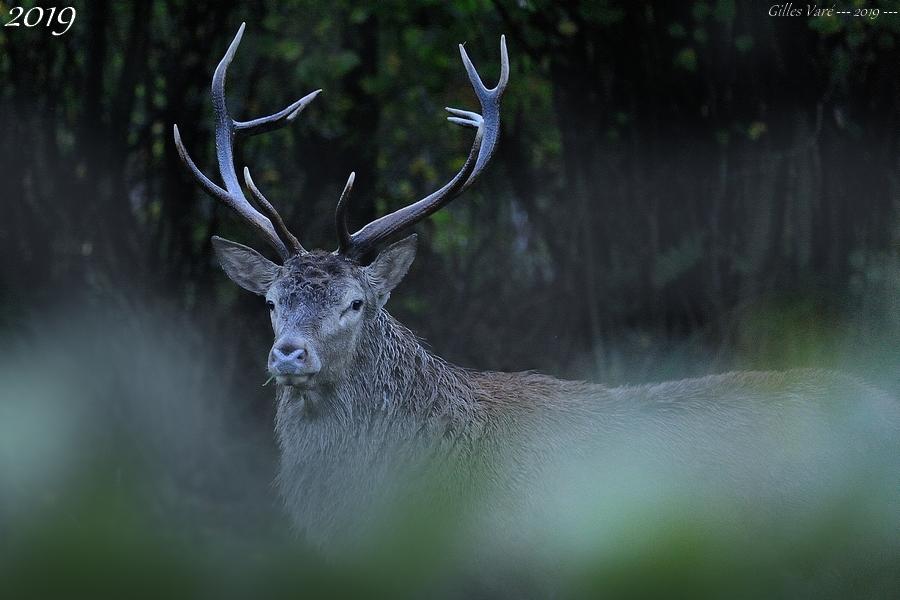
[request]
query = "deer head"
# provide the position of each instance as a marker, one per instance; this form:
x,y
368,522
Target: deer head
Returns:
x,y
320,302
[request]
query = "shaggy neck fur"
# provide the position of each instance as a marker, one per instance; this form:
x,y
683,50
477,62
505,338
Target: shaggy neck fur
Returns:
x,y
393,373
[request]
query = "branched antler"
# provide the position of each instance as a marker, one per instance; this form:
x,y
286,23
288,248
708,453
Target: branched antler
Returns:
x,y
270,225
487,133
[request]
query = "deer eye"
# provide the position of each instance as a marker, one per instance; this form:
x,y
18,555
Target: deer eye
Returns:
x,y
270,305
356,305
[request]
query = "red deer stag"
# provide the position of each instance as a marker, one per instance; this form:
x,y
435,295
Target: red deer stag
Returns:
x,y
360,402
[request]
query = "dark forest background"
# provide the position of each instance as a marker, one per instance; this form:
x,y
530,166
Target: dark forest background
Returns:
x,y
680,188
666,170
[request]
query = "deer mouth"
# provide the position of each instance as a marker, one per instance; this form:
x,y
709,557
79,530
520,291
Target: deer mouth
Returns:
x,y
292,380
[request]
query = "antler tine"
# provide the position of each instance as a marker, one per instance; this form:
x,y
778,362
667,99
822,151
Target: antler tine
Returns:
x,y
232,194
486,136
273,216
345,240
279,119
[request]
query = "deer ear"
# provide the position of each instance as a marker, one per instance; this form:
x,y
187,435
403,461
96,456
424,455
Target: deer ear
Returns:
x,y
245,266
390,266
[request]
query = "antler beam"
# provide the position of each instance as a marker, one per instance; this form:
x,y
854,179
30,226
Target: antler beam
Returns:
x,y
232,195
487,133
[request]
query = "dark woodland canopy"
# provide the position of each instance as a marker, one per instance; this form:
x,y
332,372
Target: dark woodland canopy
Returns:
x,y
667,172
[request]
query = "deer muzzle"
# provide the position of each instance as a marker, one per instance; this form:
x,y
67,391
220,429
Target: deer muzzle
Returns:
x,y
293,361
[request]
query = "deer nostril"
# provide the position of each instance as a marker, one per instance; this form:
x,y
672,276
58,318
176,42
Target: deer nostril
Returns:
x,y
291,351
285,349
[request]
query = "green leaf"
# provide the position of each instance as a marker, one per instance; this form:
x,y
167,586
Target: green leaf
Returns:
x,y
567,27
686,59
756,130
